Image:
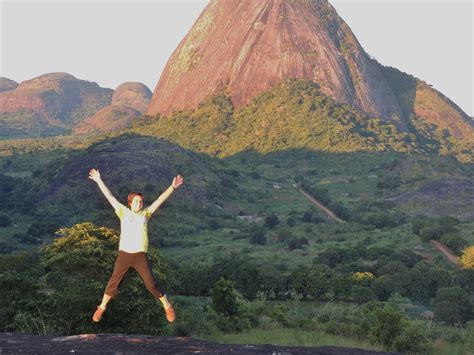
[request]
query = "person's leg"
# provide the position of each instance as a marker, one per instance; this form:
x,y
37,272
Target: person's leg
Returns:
x,y
122,264
105,299
143,267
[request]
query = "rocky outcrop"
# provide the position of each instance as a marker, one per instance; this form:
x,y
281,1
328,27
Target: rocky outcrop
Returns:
x,y
129,102
134,95
110,118
120,343
58,96
246,47
53,101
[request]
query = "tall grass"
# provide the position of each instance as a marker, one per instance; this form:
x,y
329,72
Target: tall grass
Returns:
x,y
289,337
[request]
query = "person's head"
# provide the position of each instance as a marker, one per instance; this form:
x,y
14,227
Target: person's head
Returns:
x,y
135,201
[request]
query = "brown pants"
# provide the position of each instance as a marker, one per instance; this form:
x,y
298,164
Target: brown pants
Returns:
x,y
139,261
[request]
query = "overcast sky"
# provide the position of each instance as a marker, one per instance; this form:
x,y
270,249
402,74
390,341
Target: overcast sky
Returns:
x,y
111,42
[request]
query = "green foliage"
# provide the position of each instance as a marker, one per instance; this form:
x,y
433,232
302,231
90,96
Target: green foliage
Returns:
x,y
258,237
452,305
232,312
5,220
412,340
455,242
272,221
312,282
388,325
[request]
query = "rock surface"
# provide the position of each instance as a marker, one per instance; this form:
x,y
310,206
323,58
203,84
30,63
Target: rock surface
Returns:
x,y
118,343
57,96
129,101
246,47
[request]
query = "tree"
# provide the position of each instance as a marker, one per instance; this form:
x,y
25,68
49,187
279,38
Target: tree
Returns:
x,y
388,325
258,237
272,221
452,305
224,298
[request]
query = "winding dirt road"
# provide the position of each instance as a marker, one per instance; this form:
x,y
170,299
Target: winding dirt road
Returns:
x,y
319,205
446,251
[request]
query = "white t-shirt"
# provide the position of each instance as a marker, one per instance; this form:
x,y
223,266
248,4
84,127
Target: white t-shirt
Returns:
x,y
134,232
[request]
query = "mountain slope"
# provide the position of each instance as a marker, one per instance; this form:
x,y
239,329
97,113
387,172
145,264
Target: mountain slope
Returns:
x,y
244,48
129,101
50,103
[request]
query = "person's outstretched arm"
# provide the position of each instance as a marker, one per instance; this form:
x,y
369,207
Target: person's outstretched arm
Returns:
x,y
95,175
177,182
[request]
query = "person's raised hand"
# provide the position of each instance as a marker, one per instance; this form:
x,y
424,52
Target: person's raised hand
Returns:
x,y
94,175
177,181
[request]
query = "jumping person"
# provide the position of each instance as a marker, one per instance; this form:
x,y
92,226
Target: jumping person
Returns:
x,y
133,244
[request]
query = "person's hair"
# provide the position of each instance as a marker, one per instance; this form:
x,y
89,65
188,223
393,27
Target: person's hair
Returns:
x,y
131,195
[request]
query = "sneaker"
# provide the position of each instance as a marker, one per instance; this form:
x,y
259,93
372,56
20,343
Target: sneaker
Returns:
x,y
170,315
98,314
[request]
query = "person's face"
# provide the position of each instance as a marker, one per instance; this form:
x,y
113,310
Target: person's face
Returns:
x,y
137,204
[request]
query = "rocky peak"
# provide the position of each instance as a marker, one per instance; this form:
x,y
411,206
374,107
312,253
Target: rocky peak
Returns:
x,y
246,47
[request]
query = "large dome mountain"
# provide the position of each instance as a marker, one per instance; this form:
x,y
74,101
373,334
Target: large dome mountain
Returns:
x,y
244,48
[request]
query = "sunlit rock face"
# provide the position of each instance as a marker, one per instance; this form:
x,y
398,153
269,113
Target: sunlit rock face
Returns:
x,y
246,47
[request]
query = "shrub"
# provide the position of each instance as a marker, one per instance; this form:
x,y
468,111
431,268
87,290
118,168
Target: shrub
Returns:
x,y
467,258
412,340
258,238
452,305
272,221
5,220
388,325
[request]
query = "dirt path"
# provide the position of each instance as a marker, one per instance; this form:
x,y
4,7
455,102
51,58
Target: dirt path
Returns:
x,y
445,250
319,205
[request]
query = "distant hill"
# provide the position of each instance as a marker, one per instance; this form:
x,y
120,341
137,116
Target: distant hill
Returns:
x,y
55,103
49,104
7,84
129,101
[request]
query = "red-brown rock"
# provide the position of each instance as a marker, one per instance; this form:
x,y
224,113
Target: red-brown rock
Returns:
x,y
245,47
129,101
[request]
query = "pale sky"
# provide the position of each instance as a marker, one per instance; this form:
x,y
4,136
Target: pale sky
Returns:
x,y
111,41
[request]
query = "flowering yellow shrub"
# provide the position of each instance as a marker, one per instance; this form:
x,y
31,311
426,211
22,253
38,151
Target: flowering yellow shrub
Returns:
x,y
359,276
467,258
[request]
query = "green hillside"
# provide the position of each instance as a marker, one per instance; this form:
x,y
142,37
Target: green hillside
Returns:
x,y
294,114
243,252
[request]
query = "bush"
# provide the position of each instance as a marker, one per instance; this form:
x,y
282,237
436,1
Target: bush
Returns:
x,y
361,294
412,340
297,243
431,232
5,220
231,311
387,326
272,221
452,305
381,220
258,238
291,221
